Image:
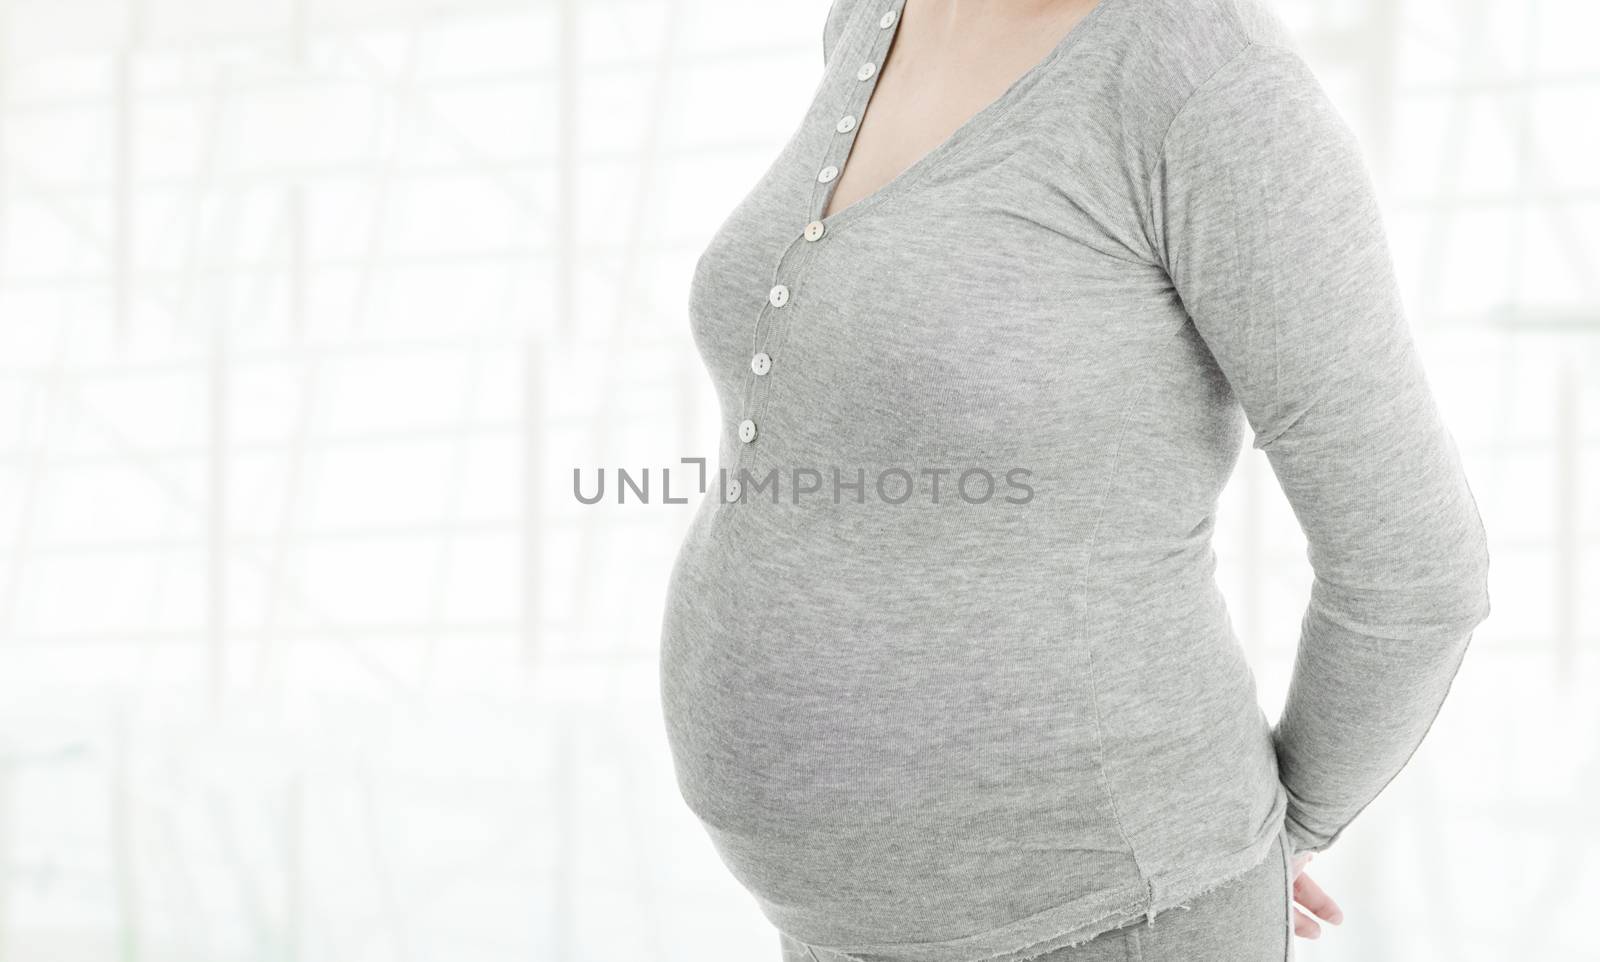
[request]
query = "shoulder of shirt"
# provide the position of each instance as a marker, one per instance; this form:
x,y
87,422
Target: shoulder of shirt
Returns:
x,y
1168,52
1198,33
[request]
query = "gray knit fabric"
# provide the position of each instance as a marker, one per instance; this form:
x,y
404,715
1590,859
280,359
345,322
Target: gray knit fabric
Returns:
x,y
1248,919
948,676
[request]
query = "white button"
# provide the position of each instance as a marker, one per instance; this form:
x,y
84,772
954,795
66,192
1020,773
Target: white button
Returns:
x,y
747,430
778,296
815,230
827,173
846,124
887,21
734,489
867,70
761,363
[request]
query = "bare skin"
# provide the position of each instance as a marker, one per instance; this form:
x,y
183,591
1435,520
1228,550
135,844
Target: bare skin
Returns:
x,y
949,60
1310,895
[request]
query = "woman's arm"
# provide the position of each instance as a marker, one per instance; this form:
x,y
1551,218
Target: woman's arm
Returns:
x,y
1267,219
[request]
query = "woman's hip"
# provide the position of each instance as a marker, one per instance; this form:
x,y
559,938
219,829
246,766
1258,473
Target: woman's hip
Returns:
x,y
1249,918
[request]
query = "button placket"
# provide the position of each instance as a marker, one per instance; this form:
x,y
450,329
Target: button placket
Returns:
x,y
770,337
858,94
772,329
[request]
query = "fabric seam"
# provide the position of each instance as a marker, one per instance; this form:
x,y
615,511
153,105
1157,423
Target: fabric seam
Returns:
x,y
830,43
1260,442
1250,45
1135,394
1286,857
1159,161
1160,157
757,402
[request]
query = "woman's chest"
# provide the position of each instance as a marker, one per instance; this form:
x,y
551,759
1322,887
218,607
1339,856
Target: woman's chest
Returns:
x,y
993,282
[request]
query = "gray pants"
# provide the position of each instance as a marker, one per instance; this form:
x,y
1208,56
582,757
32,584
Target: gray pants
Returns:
x,y
1248,919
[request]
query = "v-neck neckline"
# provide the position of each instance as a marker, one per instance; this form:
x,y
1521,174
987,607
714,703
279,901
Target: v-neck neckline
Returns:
x,y
841,145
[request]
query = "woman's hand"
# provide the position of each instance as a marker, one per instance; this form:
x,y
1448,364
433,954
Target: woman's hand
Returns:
x,y
1309,894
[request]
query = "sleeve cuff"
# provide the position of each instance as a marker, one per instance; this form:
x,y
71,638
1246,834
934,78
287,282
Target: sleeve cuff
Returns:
x,y
1302,839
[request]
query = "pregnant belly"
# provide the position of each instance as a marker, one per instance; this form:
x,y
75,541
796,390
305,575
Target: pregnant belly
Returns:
x,y
813,684
903,745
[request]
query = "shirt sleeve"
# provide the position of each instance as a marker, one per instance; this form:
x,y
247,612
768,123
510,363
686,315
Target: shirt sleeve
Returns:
x,y
1268,224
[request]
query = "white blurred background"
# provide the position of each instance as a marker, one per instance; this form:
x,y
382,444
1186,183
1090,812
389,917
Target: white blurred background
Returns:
x,y
310,308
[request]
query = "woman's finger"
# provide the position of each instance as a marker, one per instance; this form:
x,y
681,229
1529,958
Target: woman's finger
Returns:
x,y
1305,926
1308,893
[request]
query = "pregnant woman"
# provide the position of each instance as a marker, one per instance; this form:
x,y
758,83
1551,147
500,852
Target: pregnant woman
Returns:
x,y
945,669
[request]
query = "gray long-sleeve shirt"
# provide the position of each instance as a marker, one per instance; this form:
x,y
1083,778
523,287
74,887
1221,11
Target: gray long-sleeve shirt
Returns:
x,y
945,670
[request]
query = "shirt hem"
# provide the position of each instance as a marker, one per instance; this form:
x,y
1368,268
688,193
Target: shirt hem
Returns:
x,y
1070,923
